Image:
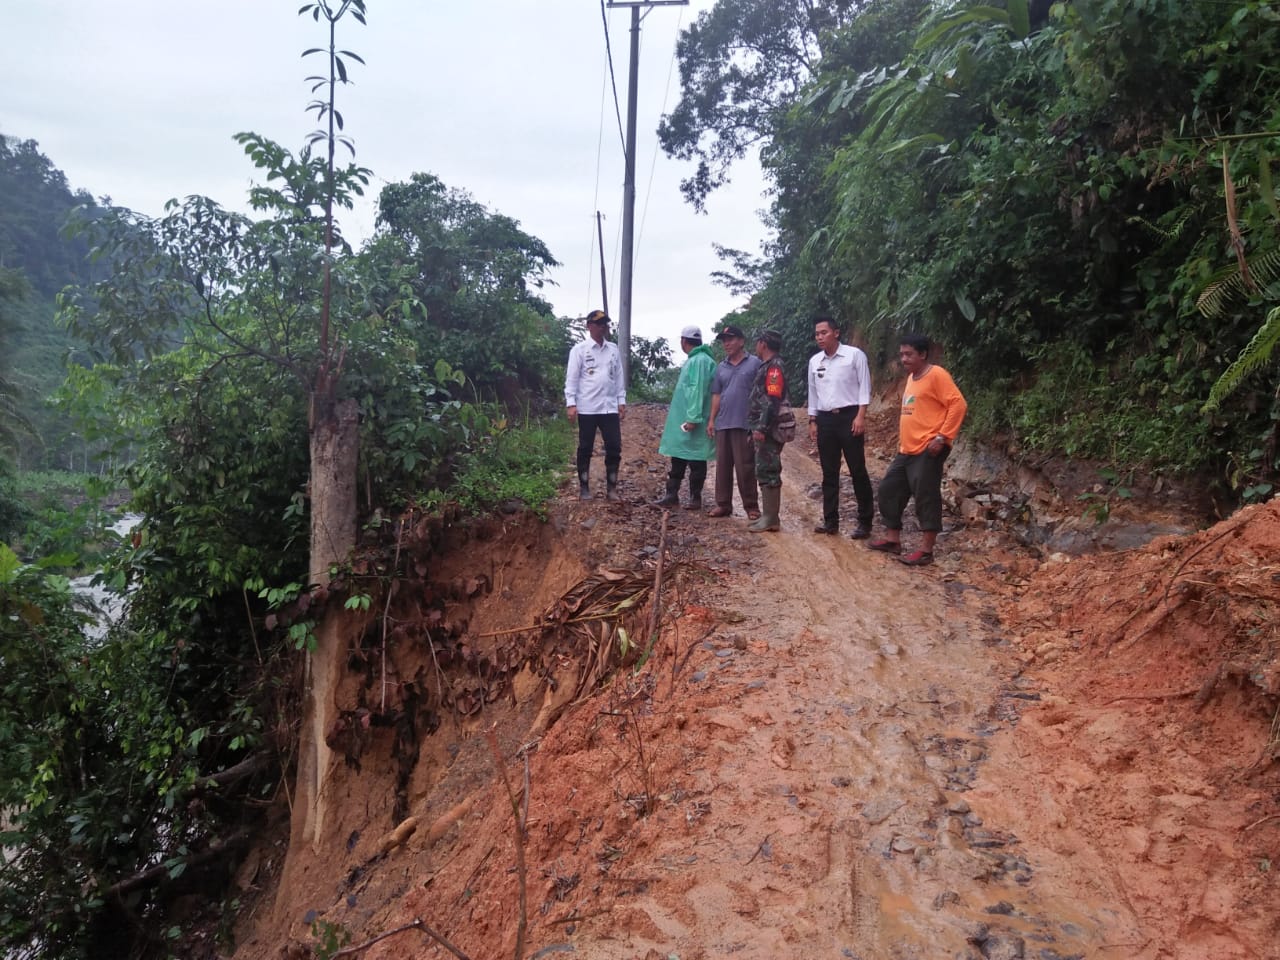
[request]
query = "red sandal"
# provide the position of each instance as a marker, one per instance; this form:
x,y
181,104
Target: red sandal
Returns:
x,y
920,558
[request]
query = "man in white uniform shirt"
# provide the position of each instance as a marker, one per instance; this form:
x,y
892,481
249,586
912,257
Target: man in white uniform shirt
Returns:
x,y
595,396
839,391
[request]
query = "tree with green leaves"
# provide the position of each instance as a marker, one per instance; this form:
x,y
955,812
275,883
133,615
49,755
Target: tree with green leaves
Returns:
x,y
742,62
35,204
478,278
209,339
1041,188
13,290
650,359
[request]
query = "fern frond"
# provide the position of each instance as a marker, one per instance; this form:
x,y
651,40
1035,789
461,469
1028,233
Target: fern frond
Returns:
x,y
1253,357
1166,234
1228,286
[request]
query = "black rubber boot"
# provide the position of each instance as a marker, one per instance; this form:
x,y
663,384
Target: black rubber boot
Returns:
x,y
695,497
611,487
584,488
672,497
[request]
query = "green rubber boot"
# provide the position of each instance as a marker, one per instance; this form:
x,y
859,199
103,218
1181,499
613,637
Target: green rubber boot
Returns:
x,y
770,502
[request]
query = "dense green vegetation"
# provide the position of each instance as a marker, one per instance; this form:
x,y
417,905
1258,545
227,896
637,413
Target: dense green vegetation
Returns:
x,y
1076,199
37,259
210,348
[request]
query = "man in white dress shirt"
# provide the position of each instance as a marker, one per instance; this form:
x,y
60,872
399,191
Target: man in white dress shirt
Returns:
x,y
839,391
595,396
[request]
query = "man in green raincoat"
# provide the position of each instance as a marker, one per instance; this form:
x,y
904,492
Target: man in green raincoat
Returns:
x,y
684,438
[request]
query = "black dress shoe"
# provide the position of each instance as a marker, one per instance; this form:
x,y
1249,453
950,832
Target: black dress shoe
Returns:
x,y
827,528
861,532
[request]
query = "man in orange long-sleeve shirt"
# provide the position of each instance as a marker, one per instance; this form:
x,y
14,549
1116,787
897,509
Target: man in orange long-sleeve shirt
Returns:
x,y
932,410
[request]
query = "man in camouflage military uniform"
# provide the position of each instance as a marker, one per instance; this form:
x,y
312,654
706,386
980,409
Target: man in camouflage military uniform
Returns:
x,y
767,396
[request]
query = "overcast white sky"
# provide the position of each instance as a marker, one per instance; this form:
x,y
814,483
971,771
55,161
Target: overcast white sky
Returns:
x,y
138,100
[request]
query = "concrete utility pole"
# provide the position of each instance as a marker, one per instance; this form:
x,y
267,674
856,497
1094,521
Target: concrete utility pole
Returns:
x,y
604,277
629,182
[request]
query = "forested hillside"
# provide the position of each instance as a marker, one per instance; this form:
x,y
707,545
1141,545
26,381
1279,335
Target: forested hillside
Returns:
x,y
1075,199
268,394
37,259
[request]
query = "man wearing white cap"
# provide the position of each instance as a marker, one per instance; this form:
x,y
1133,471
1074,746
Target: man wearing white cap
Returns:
x,y
684,438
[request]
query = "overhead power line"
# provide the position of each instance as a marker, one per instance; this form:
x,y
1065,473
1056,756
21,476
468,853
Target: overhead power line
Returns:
x,y
613,79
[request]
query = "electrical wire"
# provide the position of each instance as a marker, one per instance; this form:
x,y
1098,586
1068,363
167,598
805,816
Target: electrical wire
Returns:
x,y
595,199
617,107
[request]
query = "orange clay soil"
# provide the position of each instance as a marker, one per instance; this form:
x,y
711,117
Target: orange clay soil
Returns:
x,y
827,753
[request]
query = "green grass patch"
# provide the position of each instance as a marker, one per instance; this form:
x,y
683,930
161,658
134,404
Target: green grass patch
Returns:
x,y
524,462
1085,408
39,485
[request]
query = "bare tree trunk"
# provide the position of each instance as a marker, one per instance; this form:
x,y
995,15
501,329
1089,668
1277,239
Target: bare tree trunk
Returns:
x,y
334,451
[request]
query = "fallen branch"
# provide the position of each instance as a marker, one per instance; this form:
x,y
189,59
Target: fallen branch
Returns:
x,y
1184,594
474,873
1152,603
1178,695
1274,816
573,916
692,647
154,875
508,633
760,849
1200,549
415,924
524,811
612,614
255,763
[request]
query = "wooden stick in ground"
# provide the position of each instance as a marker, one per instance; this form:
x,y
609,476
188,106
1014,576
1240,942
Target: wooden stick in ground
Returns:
x,y
415,924
523,921
656,612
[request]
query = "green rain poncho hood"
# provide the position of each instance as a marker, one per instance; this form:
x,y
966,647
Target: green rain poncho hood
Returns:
x,y
691,403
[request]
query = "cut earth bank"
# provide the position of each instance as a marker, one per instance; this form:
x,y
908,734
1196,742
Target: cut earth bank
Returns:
x,y
827,754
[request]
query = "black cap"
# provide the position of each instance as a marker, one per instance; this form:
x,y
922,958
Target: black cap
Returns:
x,y
598,316
772,339
731,331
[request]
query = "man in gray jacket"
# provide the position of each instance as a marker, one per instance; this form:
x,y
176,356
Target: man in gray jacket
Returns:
x,y
735,451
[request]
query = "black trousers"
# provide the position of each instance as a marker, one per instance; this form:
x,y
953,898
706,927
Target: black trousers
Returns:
x,y
697,475
916,475
835,442
610,428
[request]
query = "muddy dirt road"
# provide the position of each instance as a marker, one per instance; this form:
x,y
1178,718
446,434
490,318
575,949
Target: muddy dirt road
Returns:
x,y
830,754
834,755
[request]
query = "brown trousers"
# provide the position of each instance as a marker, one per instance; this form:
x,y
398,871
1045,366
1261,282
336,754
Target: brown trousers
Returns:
x,y
736,456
